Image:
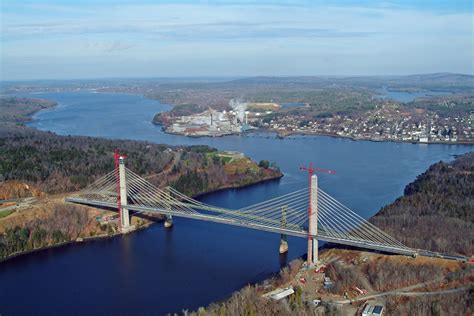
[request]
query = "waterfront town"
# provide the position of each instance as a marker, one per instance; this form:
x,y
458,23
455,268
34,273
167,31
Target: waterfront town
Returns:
x,y
388,122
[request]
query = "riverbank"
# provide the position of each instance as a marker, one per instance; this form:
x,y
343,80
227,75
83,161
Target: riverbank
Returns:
x,y
358,277
18,110
440,197
287,134
142,223
277,177
49,164
280,134
80,240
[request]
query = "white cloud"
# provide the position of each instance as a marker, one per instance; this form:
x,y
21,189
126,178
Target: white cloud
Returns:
x,y
238,39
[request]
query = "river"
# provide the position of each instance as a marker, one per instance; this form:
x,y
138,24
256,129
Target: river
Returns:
x,y
406,97
156,271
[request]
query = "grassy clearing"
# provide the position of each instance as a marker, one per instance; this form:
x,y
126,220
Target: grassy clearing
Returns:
x,y
256,106
241,165
6,213
225,158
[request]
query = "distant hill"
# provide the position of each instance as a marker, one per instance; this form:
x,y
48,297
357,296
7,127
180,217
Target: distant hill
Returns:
x,y
277,80
437,209
442,77
434,82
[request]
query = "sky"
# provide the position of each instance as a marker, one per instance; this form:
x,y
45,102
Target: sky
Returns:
x,y
59,39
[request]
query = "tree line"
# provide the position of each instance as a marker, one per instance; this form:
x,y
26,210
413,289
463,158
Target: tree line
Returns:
x,y
64,223
436,211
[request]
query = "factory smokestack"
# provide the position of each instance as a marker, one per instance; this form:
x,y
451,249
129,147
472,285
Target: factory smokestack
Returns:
x,y
239,107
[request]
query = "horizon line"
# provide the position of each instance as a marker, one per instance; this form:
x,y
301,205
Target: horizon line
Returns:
x,y
234,77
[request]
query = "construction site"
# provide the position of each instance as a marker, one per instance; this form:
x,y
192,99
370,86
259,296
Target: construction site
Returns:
x,y
350,282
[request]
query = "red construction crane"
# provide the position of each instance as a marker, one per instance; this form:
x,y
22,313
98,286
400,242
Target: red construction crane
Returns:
x,y
312,170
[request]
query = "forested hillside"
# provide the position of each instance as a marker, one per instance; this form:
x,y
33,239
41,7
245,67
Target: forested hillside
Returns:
x,y
58,164
17,110
437,209
33,162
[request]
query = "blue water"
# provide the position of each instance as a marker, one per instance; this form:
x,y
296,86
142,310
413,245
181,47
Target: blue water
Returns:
x,y
407,96
158,271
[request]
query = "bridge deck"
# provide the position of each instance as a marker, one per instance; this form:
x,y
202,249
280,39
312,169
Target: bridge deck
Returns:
x,y
285,214
247,224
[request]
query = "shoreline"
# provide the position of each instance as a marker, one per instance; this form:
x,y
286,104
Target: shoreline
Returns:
x,y
278,135
276,178
29,118
315,134
203,193
369,139
72,242
143,227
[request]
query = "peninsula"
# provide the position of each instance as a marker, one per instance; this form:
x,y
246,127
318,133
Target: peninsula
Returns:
x,y
37,169
428,108
405,108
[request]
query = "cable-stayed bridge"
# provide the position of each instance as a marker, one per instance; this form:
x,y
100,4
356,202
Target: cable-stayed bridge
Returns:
x,y
309,213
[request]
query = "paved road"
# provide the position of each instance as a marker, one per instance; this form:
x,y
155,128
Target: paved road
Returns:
x,y
434,293
20,203
401,292
407,291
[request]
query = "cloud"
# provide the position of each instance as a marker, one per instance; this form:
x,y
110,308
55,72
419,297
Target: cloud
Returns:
x,y
109,47
232,22
256,37
179,31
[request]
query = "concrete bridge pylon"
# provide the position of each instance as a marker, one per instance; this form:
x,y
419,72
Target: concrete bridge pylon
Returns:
x,y
313,222
122,196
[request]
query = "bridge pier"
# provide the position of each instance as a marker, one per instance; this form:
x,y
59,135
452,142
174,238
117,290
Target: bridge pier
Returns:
x,y
313,222
168,221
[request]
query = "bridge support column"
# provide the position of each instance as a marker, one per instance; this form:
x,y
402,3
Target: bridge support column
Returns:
x,y
283,238
313,222
124,214
168,221
168,218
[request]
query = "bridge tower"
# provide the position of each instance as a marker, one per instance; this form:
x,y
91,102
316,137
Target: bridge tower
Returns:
x,y
313,221
124,216
312,257
283,238
168,218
